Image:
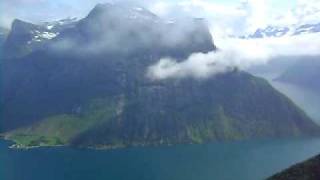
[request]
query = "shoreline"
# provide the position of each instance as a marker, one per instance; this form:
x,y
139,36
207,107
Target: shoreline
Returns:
x,y
14,145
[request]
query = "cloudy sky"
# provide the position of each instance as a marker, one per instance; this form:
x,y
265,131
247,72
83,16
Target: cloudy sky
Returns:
x,y
233,17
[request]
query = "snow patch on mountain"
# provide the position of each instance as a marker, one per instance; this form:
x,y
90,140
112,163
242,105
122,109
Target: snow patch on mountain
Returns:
x,y
282,31
40,36
54,25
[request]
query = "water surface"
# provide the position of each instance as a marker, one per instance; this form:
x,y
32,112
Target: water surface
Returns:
x,y
249,160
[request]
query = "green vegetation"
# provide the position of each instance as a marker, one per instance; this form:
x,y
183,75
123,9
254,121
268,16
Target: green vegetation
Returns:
x,y
29,140
230,106
103,98
60,129
221,127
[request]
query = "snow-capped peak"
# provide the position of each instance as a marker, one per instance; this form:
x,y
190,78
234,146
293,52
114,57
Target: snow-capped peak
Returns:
x,y
59,23
280,31
41,36
122,11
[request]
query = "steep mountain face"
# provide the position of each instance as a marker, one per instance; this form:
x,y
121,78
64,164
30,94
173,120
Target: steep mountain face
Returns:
x,y
25,37
3,34
303,73
92,59
280,31
231,106
89,87
308,170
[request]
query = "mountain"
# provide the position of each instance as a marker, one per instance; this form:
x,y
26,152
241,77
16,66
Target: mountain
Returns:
x,y
281,31
304,73
308,170
59,25
140,30
303,18
101,52
3,35
230,106
26,37
89,87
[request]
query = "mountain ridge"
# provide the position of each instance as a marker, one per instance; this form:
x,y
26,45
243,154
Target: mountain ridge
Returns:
x,y
88,87
82,52
25,37
283,31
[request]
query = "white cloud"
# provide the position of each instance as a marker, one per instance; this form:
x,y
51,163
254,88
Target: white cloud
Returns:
x,y
243,17
223,19
257,13
235,53
307,11
161,8
304,12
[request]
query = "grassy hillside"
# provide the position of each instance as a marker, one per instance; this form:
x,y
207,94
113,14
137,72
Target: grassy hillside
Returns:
x,y
60,129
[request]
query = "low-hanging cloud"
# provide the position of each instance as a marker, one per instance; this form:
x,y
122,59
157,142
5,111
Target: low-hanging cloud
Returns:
x,y
116,32
238,53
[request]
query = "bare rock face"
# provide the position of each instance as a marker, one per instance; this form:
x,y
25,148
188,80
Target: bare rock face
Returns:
x,y
25,37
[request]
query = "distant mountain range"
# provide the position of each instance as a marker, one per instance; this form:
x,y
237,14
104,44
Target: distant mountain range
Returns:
x,y
282,31
84,83
304,73
303,18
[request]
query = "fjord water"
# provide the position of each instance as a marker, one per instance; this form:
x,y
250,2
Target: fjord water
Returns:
x,y
248,160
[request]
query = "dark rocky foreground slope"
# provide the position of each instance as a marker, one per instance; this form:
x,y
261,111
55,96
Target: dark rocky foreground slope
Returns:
x,y
308,170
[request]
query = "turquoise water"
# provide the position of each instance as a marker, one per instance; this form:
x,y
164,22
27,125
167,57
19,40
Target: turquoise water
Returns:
x,y
222,161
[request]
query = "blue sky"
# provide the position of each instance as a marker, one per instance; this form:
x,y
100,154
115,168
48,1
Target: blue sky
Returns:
x,y
233,16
